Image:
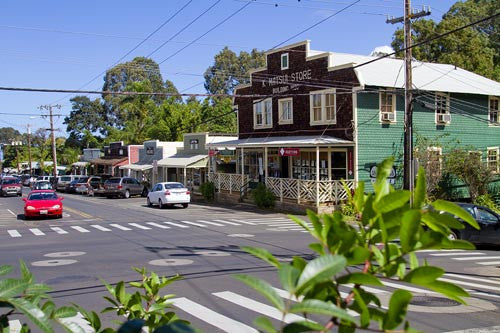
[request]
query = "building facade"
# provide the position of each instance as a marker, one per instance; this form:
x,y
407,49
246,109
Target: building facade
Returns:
x,y
309,119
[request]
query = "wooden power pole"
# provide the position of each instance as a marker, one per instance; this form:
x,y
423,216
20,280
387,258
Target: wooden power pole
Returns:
x,y
408,165
53,137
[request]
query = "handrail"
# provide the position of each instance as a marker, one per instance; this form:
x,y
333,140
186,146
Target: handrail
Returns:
x,y
243,189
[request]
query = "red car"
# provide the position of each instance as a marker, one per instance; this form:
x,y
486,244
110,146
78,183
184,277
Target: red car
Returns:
x,y
43,203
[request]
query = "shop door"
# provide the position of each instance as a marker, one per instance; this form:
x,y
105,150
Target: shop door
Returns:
x,y
339,165
284,167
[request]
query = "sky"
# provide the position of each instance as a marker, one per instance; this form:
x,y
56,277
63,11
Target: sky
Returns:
x,y
60,44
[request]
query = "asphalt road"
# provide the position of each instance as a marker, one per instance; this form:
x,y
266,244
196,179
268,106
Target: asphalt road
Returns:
x,y
100,238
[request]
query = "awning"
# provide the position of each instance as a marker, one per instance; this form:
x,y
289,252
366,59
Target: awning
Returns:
x,y
184,161
109,161
282,141
137,167
80,164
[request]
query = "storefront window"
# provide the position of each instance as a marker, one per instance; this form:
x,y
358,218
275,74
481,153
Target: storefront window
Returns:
x,y
304,166
339,165
254,164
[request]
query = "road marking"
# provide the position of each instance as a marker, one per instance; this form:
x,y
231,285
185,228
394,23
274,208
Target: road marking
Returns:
x,y
369,289
212,223
158,225
470,284
14,233
490,329
196,224
244,222
11,212
465,277
227,222
412,289
455,254
78,212
177,225
80,321
477,258
293,227
259,307
77,228
118,226
440,250
139,226
100,227
59,230
37,232
201,312
489,263
15,326
267,219
286,294
291,224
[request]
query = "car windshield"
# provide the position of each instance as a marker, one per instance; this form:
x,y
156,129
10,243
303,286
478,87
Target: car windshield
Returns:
x,y
113,181
9,181
43,196
173,186
83,180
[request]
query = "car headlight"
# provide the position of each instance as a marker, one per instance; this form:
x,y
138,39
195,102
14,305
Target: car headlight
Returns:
x,y
30,208
56,206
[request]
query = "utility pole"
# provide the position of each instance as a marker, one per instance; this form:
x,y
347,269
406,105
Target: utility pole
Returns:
x,y
53,137
408,165
29,148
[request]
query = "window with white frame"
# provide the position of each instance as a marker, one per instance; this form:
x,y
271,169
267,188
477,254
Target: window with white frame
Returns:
x,y
284,61
442,106
323,107
387,104
494,112
285,110
434,161
493,159
263,113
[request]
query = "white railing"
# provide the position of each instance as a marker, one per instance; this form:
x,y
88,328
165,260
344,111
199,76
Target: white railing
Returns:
x,y
231,182
324,191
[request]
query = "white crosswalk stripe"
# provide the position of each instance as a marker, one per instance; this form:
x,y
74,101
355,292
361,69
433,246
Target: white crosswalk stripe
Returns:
x,y
243,222
222,322
257,306
59,230
211,223
15,326
489,263
119,226
137,225
14,233
80,229
37,232
477,258
195,224
83,326
449,254
227,222
161,226
465,277
100,227
470,284
177,224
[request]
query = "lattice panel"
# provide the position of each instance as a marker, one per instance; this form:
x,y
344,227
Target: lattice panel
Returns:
x,y
326,191
274,185
308,190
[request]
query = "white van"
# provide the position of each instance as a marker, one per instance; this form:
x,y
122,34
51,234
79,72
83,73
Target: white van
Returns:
x,y
62,181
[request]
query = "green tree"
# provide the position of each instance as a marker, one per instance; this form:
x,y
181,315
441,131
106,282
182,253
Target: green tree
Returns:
x,y
474,49
230,69
86,116
9,134
218,117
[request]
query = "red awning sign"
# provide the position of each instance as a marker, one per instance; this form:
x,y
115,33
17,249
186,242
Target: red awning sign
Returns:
x,y
289,151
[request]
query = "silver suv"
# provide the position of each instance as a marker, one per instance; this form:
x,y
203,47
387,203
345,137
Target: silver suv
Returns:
x,y
123,187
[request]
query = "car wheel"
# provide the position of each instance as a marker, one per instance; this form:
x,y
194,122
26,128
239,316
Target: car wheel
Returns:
x,y
149,202
127,194
26,217
160,204
109,196
454,235
185,205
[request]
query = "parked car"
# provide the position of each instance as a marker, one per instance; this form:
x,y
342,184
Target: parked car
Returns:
x,y
71,187
43,203
99,190
42,185
10,186
167,194
27,180
489,223
62,181
85,183
123,187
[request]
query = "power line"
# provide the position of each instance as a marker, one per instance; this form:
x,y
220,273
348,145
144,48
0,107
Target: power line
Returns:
x,y
316,24
429,40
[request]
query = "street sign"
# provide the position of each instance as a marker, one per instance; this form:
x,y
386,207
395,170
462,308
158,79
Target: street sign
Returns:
x,y
289,151
212,152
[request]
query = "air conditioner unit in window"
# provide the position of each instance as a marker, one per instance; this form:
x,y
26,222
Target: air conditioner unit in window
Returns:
x,y
443,118
387,116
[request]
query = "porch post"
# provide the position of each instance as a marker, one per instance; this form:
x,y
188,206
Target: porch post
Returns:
x,y
165,170
329,163
317,176
184,174
242,167
265,165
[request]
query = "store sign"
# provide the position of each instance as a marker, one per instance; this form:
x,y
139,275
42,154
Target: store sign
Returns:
x,y
391,179
212,152
193,141
150,151
289,151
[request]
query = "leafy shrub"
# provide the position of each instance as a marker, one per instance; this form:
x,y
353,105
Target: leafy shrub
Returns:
x,y
386,216
208,191
263,197
487,201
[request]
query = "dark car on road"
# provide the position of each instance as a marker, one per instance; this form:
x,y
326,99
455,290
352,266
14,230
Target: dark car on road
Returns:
x,y
123,187
71,187
10,186
489,223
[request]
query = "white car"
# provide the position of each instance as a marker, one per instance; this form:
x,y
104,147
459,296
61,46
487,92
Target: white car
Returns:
x,y
169,193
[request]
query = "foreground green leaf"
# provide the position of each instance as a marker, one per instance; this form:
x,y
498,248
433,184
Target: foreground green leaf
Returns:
x,y
35,314
320,269
264,288
398,305
320,307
